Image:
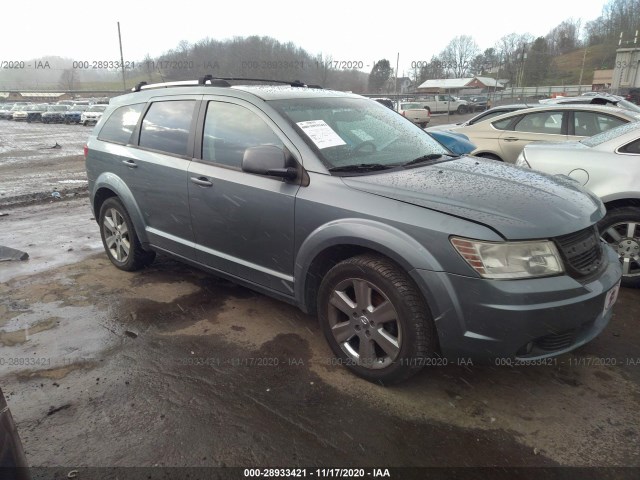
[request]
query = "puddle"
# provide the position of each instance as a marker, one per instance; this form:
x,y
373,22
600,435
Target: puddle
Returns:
x,y
23,335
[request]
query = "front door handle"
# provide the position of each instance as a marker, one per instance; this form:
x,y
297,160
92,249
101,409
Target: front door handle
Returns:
x,y
130,163
511,139
202,181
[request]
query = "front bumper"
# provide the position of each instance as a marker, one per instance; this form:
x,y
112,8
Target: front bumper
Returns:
x,y
484,320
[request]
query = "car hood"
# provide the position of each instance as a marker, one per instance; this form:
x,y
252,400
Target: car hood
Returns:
x,y
518,203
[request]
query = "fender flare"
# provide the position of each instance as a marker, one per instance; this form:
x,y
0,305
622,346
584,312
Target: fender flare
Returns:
x,y
383,238
114,183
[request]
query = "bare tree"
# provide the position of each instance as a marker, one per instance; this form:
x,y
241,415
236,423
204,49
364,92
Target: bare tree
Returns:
x,y
68,79
458,55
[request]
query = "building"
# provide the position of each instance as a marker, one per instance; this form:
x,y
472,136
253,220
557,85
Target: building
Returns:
x,y
35,97
458,85
625,73
602,80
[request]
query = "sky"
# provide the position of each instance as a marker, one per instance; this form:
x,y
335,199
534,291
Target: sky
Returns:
x,y
347,30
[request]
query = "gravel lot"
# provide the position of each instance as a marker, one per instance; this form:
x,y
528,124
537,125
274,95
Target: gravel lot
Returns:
x,y
173,367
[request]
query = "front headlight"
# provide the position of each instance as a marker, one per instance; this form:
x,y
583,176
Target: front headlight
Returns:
x,y
521,161
499,260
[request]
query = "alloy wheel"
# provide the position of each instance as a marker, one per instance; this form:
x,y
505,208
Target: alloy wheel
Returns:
x,y
116,236
624,237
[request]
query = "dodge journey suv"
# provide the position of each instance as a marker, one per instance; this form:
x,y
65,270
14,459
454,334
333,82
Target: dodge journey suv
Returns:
x,y
330,201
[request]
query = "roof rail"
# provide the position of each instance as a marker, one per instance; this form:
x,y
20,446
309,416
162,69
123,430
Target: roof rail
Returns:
x,y
210,80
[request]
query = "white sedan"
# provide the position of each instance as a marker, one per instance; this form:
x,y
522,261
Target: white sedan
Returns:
x,y
608,164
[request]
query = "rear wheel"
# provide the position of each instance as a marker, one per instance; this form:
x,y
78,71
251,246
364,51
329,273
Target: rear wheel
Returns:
x,y
462,109
620,228
120,239
375,319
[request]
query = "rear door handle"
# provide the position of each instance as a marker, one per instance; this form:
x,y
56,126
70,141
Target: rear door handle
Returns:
x,y
511,139
130,163
202,181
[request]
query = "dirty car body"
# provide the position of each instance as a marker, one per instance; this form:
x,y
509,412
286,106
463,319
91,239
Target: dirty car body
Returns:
x,y
13,463
340,206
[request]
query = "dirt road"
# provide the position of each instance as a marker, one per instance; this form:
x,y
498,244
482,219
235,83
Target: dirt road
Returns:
x,y
170,366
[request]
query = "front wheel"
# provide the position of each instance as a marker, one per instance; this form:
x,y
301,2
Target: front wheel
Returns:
x,y
120,239
375,319
620,228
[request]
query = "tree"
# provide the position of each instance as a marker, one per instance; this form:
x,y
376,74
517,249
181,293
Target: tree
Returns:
x,y
564,37
538,62
379,75
68,79
458,55
511,49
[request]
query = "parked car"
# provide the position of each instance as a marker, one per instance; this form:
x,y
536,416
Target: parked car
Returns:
x,y
481,117
338,205
444,103
5,108
608,164
73,115
13,464
456,142
92,114
16,107
504,137
600,99
415,112
54,114
34,112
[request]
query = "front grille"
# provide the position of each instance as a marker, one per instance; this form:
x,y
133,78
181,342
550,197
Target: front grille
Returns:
x,y
582,252
556,341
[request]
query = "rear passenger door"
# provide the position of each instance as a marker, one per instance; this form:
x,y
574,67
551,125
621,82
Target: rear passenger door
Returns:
x,y
157,174
243,223
546,126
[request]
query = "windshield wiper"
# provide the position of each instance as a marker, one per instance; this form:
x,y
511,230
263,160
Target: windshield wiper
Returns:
x,y
425,158
361,167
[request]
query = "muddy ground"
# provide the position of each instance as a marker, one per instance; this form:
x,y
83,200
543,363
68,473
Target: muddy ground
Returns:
x,y
173,367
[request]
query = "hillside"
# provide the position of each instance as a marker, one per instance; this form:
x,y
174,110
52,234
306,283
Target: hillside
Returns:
x,y
565,69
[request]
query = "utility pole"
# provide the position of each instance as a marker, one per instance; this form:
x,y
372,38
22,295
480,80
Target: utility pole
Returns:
x,y
124,85
582,71
395,90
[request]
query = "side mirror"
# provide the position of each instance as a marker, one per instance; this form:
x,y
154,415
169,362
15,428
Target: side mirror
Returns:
x,y
268,160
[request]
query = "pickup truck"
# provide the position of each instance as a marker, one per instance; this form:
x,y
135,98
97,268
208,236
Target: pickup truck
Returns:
x,y
444,103
415,112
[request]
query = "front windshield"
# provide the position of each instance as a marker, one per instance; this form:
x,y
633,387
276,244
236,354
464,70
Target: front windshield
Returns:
x,y
97,108
353,131
610,134
57,108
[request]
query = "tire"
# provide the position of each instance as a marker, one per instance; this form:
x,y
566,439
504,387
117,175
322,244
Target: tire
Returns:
x,y
620,228
489,156
462,110
119,237
396,347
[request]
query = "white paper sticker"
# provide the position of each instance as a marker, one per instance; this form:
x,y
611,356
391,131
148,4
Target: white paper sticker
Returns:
x,y
321,134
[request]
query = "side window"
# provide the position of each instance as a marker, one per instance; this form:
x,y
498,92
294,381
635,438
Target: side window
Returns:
x,y
120,125
541,122
502,124
166,126
633,147
587,124
229,130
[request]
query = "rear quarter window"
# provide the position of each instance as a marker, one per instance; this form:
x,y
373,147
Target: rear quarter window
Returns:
x,y
120,125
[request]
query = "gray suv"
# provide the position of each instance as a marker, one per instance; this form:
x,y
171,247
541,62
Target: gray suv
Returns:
x,y
408,255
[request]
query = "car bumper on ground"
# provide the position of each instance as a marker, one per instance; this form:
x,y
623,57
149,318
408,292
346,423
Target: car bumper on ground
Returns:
x,y
488,320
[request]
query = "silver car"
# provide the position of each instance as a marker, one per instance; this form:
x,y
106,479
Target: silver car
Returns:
x,y
609,165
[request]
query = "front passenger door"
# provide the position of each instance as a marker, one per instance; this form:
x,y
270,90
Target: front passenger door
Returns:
x,y
243,223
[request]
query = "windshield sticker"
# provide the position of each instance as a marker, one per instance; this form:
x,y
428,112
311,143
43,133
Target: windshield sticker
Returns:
x,y
362,135
321,134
